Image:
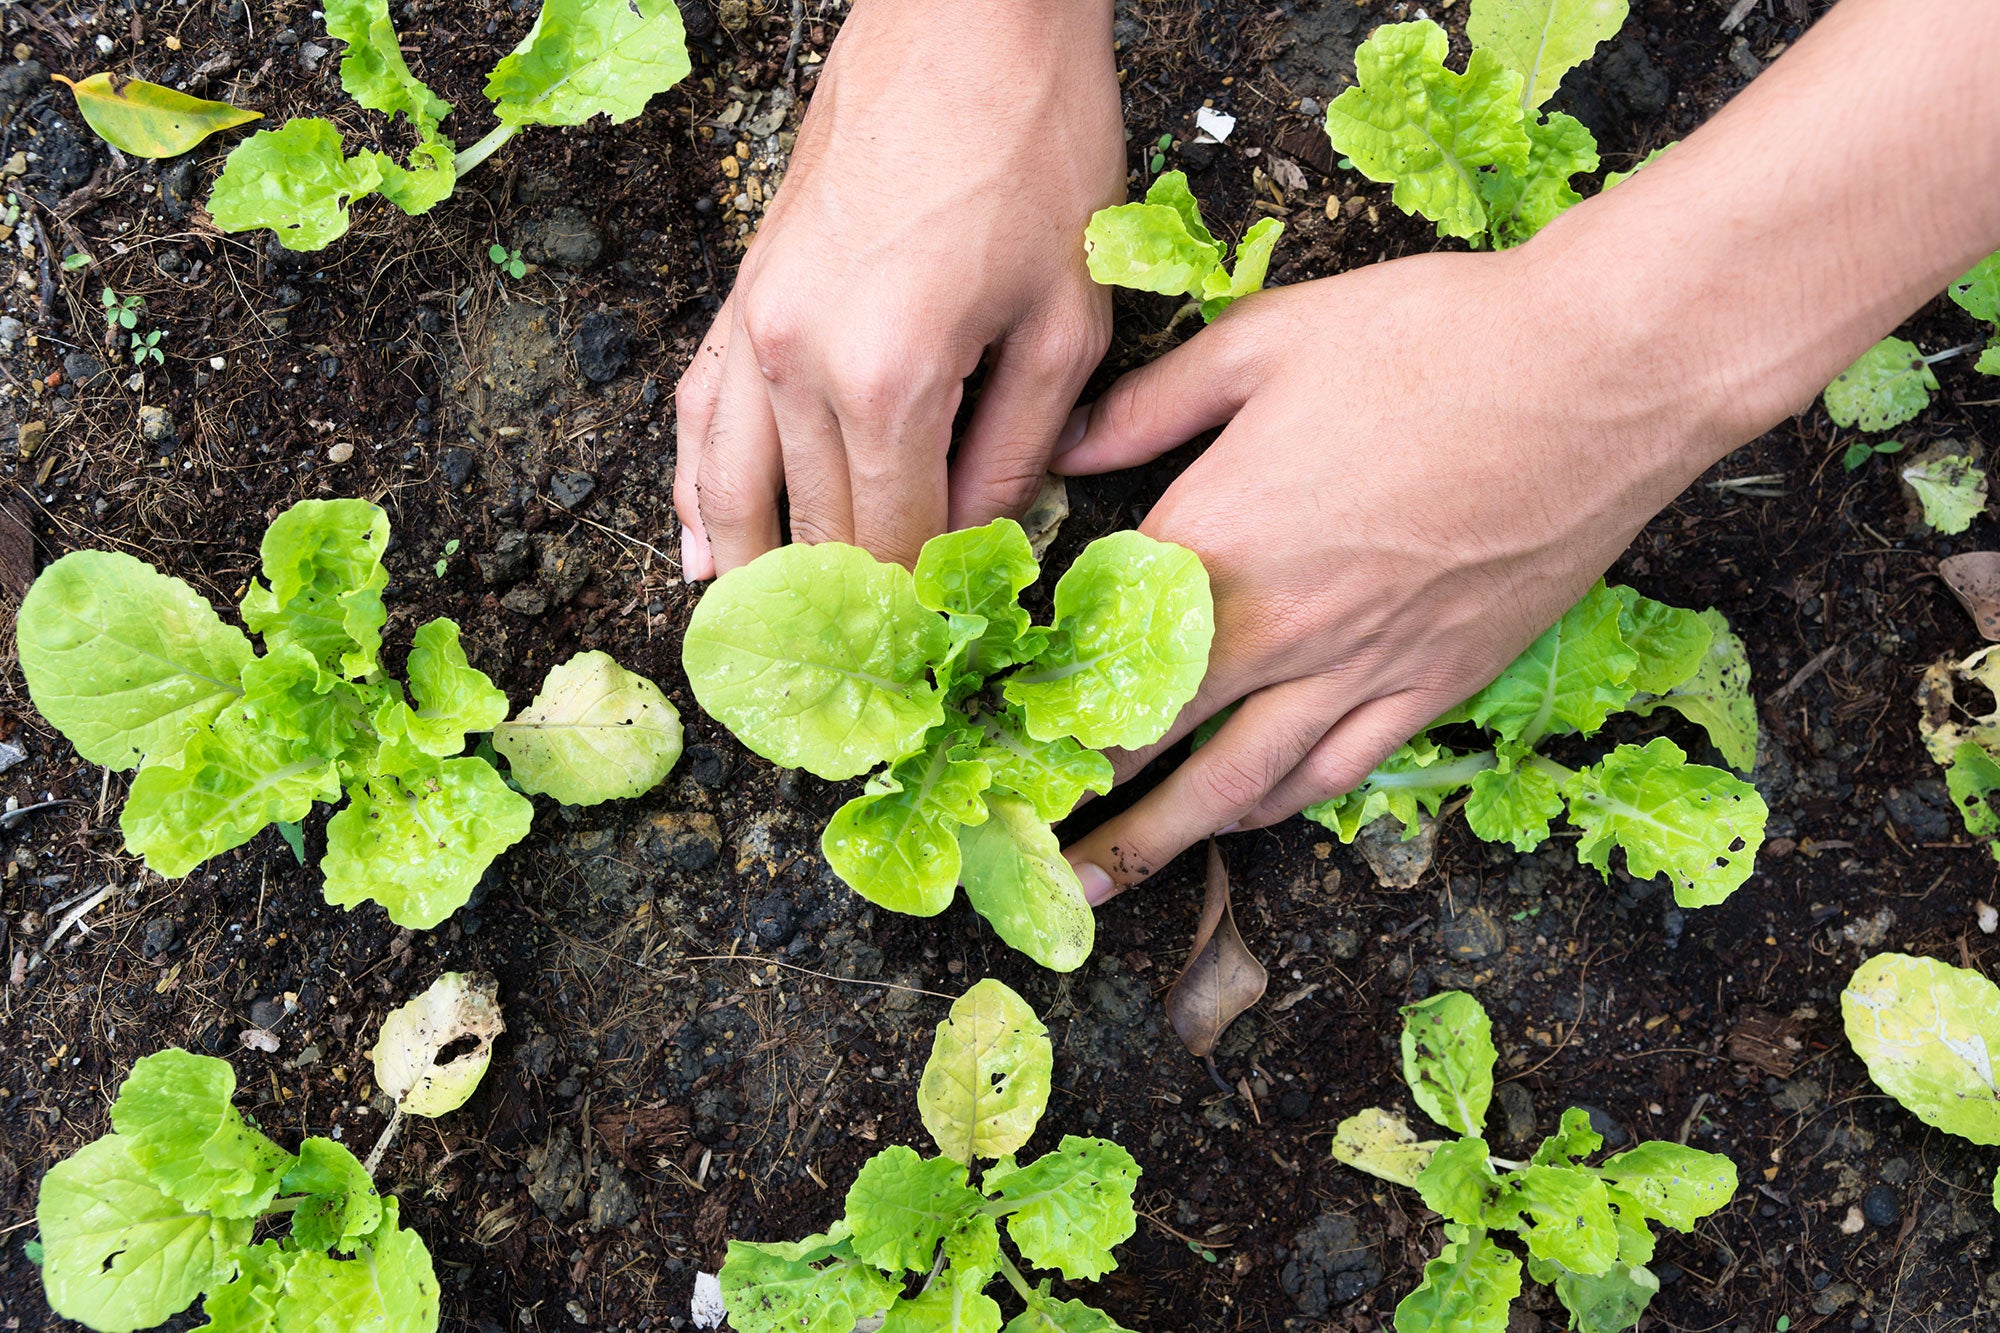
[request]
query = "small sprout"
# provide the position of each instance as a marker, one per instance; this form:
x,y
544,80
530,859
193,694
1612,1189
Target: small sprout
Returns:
x,y
509,261
1862,450
146,347
121,312
444,557
74,260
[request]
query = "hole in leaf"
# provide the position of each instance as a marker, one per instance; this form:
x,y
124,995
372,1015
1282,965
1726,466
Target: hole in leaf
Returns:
x,y
454,1049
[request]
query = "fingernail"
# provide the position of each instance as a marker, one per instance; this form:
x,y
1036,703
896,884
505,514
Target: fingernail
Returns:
x,y
1230,828
697,564
1097,886
1072,431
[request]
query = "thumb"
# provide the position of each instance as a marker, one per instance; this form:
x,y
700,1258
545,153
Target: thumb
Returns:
x,y
1196,387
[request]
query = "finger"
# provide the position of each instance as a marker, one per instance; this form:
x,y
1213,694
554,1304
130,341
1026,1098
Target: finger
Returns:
x,y
1030,389
1196,387
1344,757
741,467
694,409
818,495
897,449
1213,789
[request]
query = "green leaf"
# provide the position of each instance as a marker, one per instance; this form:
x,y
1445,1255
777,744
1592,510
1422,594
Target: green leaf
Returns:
x,y
297,181
323,561
1972,777
1701,826
1929,1033
1171,191
225,787
1133,623
1978,292
248,1302
1466,1289
1571,1222
900,1207
1160,245
1069,1207
176,1120
1015,876
1570,679
1521,203
122,659
1448,1059
1253,262
424,184
1413,123
1951,489
981,572
1671,643
1051,775
373,71
596,732
418,842
1418,776
987,1078
1542,40
897,844
1635,1238
1610,1302
1458,1182
1045,1314
453,697
1717,696
1672,1184
972,1250
776,1287
1989,360
946,1307
147,120
342,1206
1514,803
1615,177
283,698
1573,1140
1383,1145
118,1252
586,58
815,657
1886,387
408,1053
389,1287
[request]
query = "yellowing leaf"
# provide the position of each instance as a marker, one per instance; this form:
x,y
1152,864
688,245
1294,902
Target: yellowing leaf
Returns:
x,y
987,1079
146,120
406,1051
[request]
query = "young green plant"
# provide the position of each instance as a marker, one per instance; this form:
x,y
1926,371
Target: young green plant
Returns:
x,y
507,261
121,312
1162,246
1586,1230
938,1222
1475,152
1613,652
1966,743
137,670
1928,1033
824,658
582,58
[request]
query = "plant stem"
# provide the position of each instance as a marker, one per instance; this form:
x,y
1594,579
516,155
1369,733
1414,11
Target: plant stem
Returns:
x,y
382,1144
1449,774
1559,772
1014,1278
290,1205
485,148
1950,352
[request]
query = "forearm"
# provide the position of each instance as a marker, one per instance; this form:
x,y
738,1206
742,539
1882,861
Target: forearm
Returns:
x,y
1845,187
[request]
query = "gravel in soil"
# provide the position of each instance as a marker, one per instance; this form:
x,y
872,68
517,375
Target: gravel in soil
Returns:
x,y
707,1032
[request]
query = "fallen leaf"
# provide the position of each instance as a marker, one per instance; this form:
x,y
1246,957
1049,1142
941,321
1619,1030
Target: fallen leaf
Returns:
x,y
1222,978
1974,577
407,1051
147,120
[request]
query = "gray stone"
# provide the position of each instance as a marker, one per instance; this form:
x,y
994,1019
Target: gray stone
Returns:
x,y
1801,1095
612,1203
156,426
525,601
555,1171
160,935
455,466
508,561
1398,863
1517,1104
571,489
563,237
83,370
1881,1206
684,841
603,346
1343,944
179,191
267,1014
1329,1265
11,331
563,570
11,753
1471,934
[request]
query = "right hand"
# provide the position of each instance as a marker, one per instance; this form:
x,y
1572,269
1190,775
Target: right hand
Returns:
x,y
932,216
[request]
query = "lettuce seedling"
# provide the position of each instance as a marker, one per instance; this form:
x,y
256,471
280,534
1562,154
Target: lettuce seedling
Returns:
x,y
1474,152
933,1219
581,59
1613,652
1162,246
826,659
138,671
1586,1229
1928,1033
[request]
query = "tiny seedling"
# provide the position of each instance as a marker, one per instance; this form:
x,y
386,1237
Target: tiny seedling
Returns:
x,y
444,556
146,347
164,1210
1862,450
1158,161
138,671
1928,1033
938,1221
1474,152
1162,246
1613,652
1587,1230
508,261
75,260
823,658
121,312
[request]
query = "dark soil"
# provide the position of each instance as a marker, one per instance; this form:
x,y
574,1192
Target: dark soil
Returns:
x,y
707,1033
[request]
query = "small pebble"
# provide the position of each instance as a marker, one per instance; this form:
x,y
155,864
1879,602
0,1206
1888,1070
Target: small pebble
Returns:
x,y
1881,1206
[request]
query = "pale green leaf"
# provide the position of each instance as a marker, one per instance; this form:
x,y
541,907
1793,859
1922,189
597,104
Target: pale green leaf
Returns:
x,y
1383,1145
1170,189
972,1250
453,697
900,1207
1609,1302
897,844
283,698
1069,1207
373,71
248,1303
1989,360
1514,804
596,732
946,1307
1635,1238
297,181
1466,1289
987,1079
175,1117
1972,777
1570,679
1673,1184
388,1287
1045,1314
586,58
1615,177
341,1204
1671,643
1929,1034
1160,245
1418,776
816,1284
1569,1217
324,580
1458,1182
1886,387
980,572
148,120
1052,775
1521,202
1573,1140
1015,876
1133,623
1448,1059
1951,489
1253,261
1978,292
122,659
417,843
224,788
1700,826
1542,40
408,1049
1716,697
816,658
1417,125
428,180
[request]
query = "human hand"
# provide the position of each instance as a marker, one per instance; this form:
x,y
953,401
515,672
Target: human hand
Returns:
x,y
932,215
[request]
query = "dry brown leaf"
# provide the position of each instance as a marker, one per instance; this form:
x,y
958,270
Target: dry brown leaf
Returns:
x,y
1975,578
1222,978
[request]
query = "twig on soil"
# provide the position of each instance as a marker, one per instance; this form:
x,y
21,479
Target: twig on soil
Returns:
x,y
794,967
1805,673
1694,1114
75,915
382,1143
792,49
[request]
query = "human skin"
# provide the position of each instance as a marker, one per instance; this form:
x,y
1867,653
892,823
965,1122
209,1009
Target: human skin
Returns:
x,y
931,217
1424,463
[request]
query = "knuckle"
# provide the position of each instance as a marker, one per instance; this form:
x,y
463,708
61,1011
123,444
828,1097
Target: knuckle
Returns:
x,y
1075,342
776,333
1232,781
723,495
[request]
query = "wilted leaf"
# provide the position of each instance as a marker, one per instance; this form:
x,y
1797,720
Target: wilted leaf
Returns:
x,y
1974,578
1383,1144
407,1050
1222,977
147,120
